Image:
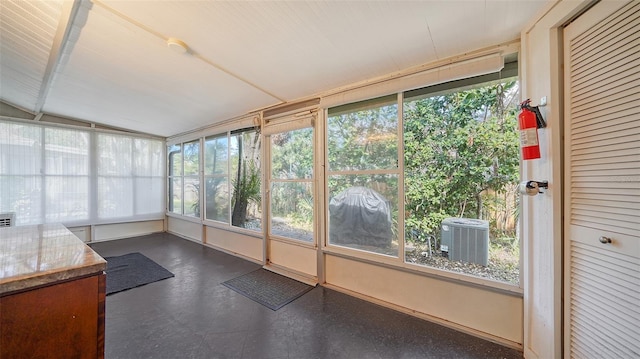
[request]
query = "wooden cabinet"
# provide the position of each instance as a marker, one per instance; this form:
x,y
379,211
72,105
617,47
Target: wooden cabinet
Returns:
x,y
52,295
63,320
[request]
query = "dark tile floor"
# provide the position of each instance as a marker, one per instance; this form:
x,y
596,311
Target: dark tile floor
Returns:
x,y
193,316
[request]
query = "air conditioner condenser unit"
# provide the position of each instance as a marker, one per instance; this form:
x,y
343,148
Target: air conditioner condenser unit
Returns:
x,y
466,240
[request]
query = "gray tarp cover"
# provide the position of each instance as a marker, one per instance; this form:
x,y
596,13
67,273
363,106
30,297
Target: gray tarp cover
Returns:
x,y
360,215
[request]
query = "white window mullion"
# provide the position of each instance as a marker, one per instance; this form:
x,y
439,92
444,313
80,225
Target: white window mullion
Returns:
x,y
134,177
93,176
229,185
43,174
201,181
182,179
401,233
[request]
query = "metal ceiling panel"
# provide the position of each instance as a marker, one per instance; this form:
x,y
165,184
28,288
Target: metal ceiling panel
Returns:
x,y
27,31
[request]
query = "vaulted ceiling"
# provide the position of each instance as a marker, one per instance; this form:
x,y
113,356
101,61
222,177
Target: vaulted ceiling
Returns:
x,y
108,62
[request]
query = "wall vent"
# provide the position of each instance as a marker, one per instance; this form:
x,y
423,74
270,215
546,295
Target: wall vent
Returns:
x,y
7,219
466,240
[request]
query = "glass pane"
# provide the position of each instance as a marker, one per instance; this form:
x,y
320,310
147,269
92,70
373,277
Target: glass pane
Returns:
x,y
115,197
292,210
66,152
217,194
114,155
20,149
22,195
245,146
363,212
363,139
148,192
175,195
147,157
292,154
245,180
461,169
216,155
234,152
174,157
191,158
192,196
67,198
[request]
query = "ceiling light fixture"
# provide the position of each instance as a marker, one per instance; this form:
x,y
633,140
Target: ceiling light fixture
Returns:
x,y
177,46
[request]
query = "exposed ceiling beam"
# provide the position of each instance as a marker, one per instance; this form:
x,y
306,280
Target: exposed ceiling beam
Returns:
x,y
67,18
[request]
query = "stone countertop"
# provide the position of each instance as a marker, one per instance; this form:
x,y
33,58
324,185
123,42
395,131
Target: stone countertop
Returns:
x,y
37,255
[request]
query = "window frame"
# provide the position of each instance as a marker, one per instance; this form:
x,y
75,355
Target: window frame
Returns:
x,y
226,176
134,174
229,134
171,177
510,70
392,171
197,143
91,174
271,180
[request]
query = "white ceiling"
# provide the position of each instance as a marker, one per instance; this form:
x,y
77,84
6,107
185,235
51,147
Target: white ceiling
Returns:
x,y
107,61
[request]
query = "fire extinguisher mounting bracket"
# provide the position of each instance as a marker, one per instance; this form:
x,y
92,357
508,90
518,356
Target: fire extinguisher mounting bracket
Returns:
x,y
540,122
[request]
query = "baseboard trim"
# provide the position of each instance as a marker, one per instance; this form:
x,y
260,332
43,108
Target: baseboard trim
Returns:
x,y
232,253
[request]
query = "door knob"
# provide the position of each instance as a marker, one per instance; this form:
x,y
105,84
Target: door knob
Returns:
x,y
604,240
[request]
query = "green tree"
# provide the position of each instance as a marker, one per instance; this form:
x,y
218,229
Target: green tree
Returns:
x,y
291,159
246,170
457,146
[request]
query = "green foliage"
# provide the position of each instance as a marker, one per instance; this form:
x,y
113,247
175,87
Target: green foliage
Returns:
x,y
457,146
292,159
364,140
246,172
247,188
292,154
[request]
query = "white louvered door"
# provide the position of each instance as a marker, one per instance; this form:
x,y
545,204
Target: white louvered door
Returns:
x,y
602,182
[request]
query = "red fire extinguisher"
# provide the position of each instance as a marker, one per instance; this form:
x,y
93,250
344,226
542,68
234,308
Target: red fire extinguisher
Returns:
x,y
529,120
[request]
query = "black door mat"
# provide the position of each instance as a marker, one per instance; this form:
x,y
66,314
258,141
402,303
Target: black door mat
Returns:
x,y
132,270
272,290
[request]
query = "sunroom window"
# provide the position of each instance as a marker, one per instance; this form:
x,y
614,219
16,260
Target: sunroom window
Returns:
x,y
455,184
174,163
291,181
246,187
184,178
363,175
232,179
216,177
461,173
77,176
130,176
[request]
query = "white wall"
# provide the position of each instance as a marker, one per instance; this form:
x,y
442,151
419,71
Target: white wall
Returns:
x,y
239,244
293,256
189,229
473,309
104,232
123,230
541,76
